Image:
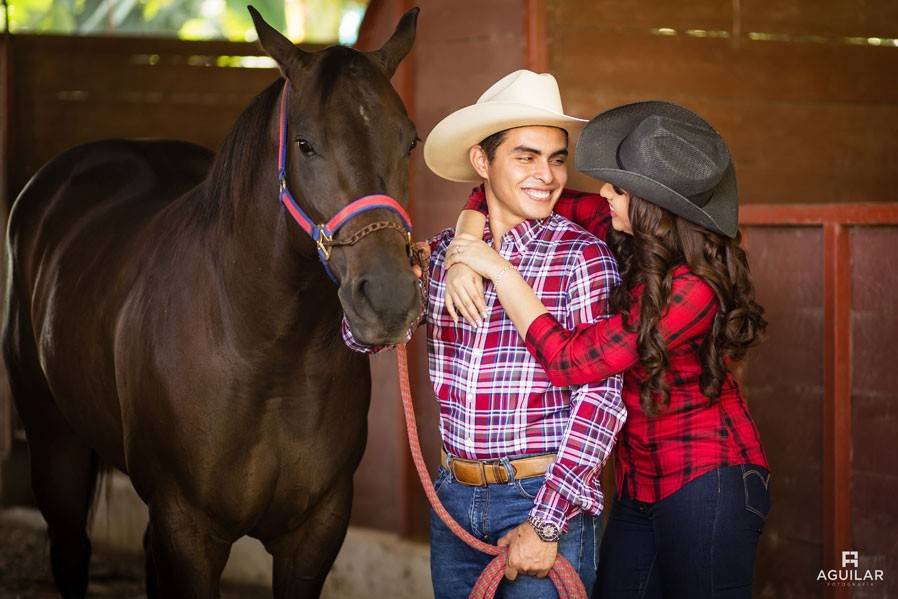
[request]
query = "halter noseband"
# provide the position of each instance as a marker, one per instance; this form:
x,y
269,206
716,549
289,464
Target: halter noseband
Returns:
x,y
323,234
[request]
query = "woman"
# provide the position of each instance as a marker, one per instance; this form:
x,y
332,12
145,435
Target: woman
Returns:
x,y
692,476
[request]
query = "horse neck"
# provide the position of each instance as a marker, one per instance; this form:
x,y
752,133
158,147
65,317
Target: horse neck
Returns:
x,y
261,267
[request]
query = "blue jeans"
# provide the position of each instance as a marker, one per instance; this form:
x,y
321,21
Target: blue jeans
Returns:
x,y
489,513
698,543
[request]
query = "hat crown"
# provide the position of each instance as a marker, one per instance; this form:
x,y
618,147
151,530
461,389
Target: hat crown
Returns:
x,y
689,157
526,88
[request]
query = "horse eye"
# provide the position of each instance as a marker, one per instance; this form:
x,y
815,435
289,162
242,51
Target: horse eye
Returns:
x,y
413,145
305,147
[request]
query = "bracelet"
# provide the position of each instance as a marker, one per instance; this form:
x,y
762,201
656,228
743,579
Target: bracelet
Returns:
x,y
501,274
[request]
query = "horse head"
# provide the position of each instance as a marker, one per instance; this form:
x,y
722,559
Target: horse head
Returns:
x,y
345,136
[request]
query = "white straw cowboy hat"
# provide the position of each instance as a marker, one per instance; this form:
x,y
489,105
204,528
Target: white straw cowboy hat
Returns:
x,y
666,155
521,99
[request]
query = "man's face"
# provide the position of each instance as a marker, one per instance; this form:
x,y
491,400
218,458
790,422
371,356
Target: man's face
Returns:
x,y
527,172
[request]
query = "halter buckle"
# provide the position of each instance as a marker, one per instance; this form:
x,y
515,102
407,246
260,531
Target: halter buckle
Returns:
x,y
324,242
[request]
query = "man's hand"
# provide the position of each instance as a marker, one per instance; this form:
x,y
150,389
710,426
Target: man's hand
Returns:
x,y
421,251
527,553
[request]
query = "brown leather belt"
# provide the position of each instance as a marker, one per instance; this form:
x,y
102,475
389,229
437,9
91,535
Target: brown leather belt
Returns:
x,y
480,473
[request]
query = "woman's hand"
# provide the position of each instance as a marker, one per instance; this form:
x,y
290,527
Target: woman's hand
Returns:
x,y
476,254
464,286
464,295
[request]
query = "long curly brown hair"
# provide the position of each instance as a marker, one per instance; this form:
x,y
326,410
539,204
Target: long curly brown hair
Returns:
x,y
661,241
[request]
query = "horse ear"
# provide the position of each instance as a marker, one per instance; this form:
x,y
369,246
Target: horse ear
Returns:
x,y
277,46
396,48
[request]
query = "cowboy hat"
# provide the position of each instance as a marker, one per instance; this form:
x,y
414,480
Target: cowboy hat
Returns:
x,y
667,155
520,99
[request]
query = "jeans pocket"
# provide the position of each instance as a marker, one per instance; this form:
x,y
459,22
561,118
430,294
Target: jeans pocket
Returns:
x,y
756,483
529,487
441,479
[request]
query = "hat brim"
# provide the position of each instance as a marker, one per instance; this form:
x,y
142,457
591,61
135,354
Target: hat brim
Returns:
x,y
596,156
446,151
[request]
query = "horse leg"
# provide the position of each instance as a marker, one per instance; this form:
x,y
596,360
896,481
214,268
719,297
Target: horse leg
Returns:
x,y
63,473
186,553
149,566
304,556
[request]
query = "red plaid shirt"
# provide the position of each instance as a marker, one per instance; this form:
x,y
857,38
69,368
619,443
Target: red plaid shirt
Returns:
x,y
495,399
655,456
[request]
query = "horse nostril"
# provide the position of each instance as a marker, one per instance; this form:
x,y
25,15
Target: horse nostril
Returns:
x,y
384,296
360,293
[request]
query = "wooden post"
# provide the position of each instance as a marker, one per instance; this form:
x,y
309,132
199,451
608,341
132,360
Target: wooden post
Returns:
x,y
536,55
404,82
837,400
6,420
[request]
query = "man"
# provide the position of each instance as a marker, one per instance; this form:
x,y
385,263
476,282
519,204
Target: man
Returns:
x,y
521,457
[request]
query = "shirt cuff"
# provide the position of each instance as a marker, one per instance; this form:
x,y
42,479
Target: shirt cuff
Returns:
x,y
550,506
544,335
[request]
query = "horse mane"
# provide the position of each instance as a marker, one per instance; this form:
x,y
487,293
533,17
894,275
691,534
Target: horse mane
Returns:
x,y
228,177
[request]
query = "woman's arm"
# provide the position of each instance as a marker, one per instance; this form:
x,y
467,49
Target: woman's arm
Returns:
x,y
516,296
597,351
589,352
464,287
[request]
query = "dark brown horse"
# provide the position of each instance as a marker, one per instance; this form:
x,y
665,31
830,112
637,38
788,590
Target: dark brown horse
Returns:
x,y
167,316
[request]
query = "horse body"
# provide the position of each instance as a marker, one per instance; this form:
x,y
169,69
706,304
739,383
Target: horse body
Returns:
x,y
164,318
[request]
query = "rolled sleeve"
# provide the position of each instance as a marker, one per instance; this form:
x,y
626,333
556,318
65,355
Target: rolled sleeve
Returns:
x,y
597,410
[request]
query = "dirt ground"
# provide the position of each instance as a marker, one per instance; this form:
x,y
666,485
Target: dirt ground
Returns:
x,y
25,570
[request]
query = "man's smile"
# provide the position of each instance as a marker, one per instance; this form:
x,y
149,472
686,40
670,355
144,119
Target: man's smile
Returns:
x,y
538,195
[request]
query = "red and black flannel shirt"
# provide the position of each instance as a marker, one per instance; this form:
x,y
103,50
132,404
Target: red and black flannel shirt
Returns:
x,y
495,400
655,456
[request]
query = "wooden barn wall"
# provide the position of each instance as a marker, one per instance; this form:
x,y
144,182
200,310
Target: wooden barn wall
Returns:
x,y
784,385
68,90
874,401
810,112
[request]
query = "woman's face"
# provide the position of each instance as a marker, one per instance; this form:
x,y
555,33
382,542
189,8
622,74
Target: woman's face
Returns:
x,y
619,201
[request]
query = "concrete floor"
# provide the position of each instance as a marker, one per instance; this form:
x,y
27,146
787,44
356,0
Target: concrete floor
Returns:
x,y
371,563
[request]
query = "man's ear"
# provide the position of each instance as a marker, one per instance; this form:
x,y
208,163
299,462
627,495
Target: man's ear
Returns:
x,y
479,161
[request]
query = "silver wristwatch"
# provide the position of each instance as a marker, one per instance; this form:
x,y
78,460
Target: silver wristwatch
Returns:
x,y
546,531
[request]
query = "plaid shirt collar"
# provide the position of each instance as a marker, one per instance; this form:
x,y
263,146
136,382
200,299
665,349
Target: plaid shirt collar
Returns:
x,y
522,235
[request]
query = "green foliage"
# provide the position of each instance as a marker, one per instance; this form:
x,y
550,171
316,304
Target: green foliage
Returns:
x,y
186,19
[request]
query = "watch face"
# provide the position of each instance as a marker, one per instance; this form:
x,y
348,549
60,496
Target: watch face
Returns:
x,y
550,531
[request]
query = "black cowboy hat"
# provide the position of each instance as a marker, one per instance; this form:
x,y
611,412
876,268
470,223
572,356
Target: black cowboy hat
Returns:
x,y
666,155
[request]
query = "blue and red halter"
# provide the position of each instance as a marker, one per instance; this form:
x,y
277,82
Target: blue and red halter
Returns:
x,y
323,234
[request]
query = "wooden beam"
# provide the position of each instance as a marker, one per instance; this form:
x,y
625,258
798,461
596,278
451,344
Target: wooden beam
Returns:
x,y
837,533
885,213
536,54
5,121
404,82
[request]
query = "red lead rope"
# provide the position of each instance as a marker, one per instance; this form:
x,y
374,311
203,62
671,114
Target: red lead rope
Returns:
x,y
567,581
